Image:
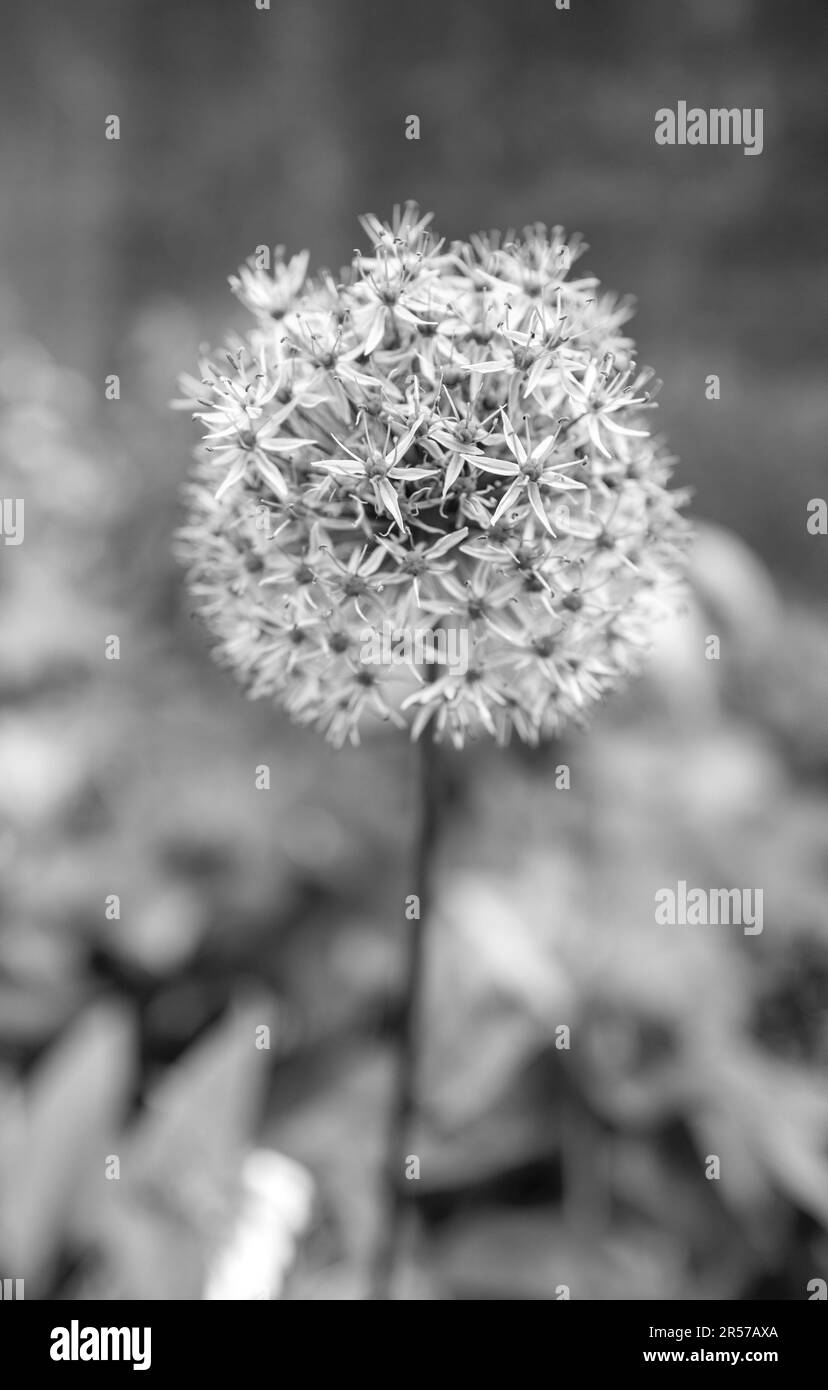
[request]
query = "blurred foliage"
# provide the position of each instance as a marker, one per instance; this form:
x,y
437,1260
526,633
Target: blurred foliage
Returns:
x,y
135,1037
540,1166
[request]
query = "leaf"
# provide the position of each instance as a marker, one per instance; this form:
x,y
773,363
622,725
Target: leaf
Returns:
x,y
532,1254
779,1116
496,989
180,1176
71,1112
200,1115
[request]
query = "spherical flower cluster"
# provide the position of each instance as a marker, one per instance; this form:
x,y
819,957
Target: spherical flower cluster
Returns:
x,y
446,441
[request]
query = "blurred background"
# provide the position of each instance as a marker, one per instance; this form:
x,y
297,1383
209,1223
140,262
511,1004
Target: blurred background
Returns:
x,y
194,1080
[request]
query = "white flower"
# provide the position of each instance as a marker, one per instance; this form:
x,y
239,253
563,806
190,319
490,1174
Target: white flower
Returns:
x,y
446,436
271,296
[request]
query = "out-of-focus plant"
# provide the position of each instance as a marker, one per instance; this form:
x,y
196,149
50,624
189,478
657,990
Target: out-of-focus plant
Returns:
x,y
447,434
538,1166
157,1208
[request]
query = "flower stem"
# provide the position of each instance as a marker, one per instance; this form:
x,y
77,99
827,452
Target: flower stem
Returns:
x,y
403,1101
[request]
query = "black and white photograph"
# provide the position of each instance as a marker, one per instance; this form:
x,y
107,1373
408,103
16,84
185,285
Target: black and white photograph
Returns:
x,y
414,666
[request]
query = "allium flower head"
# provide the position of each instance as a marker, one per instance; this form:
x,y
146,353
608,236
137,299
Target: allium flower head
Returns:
x,y
444,437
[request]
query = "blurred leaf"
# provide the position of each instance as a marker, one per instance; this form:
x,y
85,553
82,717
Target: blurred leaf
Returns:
x,y
769,1126
73,1105
497,987
531,1254
200,1113
181,1170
